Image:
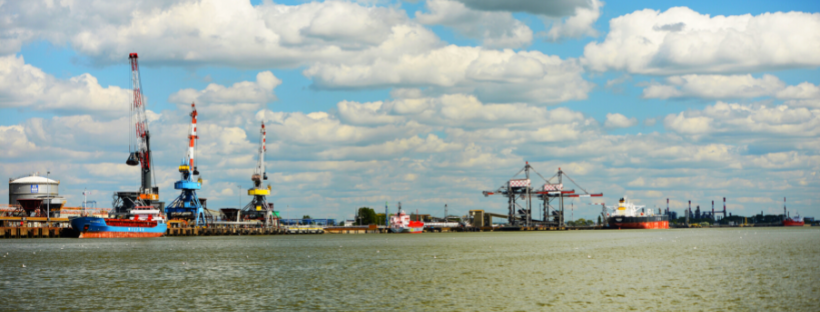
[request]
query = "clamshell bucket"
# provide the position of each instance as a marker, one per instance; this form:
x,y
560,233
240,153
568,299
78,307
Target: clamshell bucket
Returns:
x,y
133,159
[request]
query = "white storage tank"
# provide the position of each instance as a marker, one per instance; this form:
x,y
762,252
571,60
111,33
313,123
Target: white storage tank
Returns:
x,y
34,186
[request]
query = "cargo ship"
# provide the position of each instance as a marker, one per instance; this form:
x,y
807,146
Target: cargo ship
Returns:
x,y
401,223
629,216
146,221
794,221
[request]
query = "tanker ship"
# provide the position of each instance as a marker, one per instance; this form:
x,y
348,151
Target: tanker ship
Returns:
x,y
630,216
794,221
401,223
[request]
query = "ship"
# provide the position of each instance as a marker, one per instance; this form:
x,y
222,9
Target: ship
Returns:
x,y
146,221
629,216
401,223
794,221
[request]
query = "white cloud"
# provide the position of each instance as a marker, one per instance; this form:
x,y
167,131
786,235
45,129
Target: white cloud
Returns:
x,y
448,147
715,87
737,121
23,85
235,34
614,121
805,90
680,41
494,76
233,104
496,29
578,25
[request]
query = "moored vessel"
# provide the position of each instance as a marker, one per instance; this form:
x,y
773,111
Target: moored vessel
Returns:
x,y
630,216
794,221
401,223
146,221
797,220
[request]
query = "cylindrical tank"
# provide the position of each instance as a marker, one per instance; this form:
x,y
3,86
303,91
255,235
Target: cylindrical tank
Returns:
x,y
36,187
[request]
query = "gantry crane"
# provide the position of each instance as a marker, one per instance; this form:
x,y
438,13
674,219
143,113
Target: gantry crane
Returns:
x,y
552,191
258,208
140,153
522,189
188,206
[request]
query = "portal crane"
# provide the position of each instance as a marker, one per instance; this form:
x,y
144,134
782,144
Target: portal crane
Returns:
x,y
187,206
258,208
140,152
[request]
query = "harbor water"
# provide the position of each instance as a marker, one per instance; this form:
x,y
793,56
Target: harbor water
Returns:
x,y
667,270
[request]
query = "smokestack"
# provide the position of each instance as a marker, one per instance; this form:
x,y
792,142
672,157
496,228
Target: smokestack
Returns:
x,y
724,207
713,210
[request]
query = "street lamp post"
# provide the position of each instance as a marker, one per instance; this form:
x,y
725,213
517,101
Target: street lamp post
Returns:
x,y
239,207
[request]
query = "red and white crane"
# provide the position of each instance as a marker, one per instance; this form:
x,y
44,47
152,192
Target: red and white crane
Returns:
x,y
140,150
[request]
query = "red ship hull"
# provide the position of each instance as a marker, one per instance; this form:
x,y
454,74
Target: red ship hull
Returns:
x,y
789,222
653,222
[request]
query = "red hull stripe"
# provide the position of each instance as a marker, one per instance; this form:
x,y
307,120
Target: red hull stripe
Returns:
x,y
118,234
644,225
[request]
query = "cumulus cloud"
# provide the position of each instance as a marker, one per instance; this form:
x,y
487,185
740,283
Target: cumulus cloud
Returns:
x,y
579,24
744,121
344,45
494,76
496,29
614,121
236,33
716,87
447,146
682,41
23,85
233,104
805,90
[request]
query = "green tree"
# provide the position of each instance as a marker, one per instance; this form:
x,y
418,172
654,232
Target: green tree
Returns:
x,y
599,219
366,216
380,219
306,217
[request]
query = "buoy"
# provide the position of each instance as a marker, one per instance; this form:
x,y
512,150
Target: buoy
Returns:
x,y
23,266
588,256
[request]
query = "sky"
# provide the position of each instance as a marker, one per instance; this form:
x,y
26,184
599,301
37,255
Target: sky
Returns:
x,y
425,103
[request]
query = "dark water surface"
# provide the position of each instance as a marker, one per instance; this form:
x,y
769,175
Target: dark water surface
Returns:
x,y
668,270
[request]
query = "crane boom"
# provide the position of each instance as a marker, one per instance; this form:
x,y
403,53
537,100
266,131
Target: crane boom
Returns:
x,y
259,173
140,146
